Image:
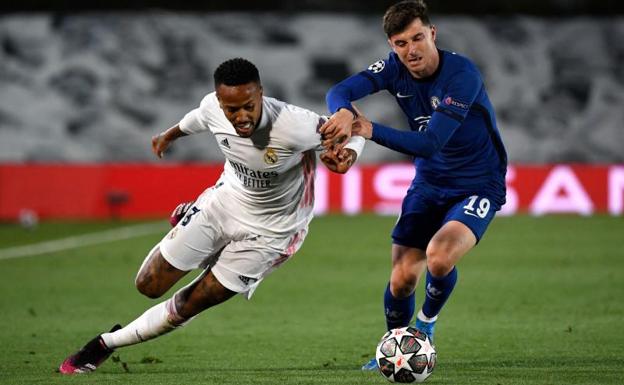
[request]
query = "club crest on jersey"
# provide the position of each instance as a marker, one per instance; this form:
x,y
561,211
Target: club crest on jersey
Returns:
x,y
270,156
377,66
435,102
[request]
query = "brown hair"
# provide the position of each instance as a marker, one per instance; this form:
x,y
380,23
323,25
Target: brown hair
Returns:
x,y
401,14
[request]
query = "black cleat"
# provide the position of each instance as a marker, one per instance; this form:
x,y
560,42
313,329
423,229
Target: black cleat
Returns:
x,y
87,359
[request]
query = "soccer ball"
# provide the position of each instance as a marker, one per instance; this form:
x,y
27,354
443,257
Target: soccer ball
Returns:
x,y
405,355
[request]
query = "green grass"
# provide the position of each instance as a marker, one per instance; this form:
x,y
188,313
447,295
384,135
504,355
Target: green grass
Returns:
x,y
538,302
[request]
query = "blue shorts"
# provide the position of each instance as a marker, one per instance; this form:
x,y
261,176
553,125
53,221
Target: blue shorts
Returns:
x,y
426,209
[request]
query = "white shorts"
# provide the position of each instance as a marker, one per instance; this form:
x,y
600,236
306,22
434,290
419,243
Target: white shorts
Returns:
x,y
210,237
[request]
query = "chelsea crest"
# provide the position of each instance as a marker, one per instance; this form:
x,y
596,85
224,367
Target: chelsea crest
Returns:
x,y
435,102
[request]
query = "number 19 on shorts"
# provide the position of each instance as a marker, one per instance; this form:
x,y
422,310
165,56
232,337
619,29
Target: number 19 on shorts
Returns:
x,y
480,210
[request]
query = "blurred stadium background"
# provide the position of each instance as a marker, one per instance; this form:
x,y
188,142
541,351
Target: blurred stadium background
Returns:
x,y
84,86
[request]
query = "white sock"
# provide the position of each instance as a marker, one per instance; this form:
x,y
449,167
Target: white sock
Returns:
x,y
156,321
421,316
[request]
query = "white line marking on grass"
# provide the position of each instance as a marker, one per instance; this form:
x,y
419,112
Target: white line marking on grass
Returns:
x,y
77,241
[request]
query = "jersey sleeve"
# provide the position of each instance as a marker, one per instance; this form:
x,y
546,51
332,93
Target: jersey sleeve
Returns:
x,y
303,128
356,143
198,120
376,77
460,93
445,120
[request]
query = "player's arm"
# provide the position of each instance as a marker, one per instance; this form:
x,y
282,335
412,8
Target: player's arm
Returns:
x,y
444,121
340,160
193,122
338,128
162,141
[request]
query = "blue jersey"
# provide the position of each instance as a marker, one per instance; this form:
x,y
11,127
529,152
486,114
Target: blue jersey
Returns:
x,y
453,134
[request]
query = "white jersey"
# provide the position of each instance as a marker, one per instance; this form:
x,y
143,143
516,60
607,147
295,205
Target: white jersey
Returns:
x,y
268,178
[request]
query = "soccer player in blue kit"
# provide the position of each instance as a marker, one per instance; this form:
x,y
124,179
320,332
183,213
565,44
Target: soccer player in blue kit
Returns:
x,y
458,153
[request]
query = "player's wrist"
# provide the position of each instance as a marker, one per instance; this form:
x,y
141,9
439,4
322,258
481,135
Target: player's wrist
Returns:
x,y
348,111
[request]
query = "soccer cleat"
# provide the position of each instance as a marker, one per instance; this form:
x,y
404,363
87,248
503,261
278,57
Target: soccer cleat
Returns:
x,y
87,359
426,327
179,212
370,365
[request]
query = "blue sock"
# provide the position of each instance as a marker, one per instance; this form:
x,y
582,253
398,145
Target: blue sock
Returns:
x,y
399,311
437,291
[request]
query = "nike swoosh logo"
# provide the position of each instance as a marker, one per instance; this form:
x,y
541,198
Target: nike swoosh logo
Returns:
x,y
472,214
400,95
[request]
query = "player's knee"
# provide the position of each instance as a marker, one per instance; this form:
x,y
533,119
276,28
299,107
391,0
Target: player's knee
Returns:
x,y
438,261
402,283
145,286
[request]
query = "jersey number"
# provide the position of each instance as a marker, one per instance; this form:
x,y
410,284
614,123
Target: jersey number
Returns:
x,y
194,210
481,211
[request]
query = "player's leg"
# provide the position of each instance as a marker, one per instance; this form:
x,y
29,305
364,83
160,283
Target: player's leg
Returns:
x,y
240,266
192,238
417,223
446,248
204,292
191,244
194,243
156,275
201,294
464,224
408,265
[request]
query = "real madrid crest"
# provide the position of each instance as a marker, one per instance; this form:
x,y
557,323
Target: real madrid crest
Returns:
x,y
270,156
435,102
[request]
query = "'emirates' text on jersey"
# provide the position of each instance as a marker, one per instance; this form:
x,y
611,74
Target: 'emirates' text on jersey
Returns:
x,y
458,144
269,177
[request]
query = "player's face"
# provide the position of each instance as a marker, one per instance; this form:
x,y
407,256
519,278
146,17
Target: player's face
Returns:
x,y
416,48
242,106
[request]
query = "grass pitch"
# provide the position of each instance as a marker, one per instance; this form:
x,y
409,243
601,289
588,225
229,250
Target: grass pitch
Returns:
x,y
538,302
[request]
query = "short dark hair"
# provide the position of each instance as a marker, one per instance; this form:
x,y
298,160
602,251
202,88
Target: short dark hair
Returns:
x,y
235,72
401,14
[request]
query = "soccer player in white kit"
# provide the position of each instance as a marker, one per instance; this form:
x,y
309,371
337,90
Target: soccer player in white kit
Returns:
x,y
251,221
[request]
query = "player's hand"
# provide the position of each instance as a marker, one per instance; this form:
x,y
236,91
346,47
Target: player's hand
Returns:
x,y
336,131
362,127
159,144
179,212
338,160
162,141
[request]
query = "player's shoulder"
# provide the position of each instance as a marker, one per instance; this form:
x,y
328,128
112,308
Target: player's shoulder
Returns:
x,y
385,67
209,103
281,110
294,126
455,62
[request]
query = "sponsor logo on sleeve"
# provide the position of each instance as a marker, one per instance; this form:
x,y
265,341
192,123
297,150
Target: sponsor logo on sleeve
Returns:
x,y
377,66
454,102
